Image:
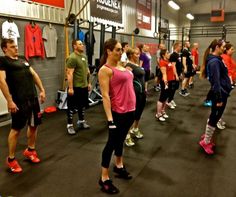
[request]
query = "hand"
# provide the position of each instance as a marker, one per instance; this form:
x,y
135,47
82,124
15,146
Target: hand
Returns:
x,y
42,97
177,78
219,104
111,126
70,91
12,107
89,87
185,70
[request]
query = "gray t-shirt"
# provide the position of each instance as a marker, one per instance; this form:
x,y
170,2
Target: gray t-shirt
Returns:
x,y
50,40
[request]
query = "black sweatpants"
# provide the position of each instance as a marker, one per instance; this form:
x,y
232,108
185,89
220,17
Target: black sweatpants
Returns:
x,y
117,136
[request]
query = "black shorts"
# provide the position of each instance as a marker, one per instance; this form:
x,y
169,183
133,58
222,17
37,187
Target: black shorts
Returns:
x,y
79,99
147,75
190,72
28,111
140,104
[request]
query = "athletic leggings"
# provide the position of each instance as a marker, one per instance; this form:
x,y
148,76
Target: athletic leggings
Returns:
x,y
217,112
117,136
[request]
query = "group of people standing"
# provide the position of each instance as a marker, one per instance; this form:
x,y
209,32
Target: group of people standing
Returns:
x,y
123,84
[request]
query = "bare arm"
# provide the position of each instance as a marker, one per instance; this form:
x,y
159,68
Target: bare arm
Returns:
x,y
39,84
5,90
69,73
184,64
104,76
175,72
141,63
88,79
163,71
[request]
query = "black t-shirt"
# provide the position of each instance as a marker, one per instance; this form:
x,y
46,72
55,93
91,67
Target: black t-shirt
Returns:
x,y
19,79
139,73
175,57
186,53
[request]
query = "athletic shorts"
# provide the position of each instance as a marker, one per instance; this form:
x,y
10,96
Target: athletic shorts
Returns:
x,y
29,112
147,75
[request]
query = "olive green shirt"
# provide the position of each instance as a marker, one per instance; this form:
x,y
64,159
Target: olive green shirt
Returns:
x,y
80,64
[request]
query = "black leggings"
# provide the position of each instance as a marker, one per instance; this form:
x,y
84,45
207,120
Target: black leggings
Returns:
x,y
217,112
116,137
140,104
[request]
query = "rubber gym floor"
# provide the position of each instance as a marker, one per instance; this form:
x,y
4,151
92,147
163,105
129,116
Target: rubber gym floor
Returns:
x,y
167,162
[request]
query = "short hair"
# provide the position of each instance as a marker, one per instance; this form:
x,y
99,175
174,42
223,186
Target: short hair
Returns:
x,y
175,45
74,42
123,44
6,41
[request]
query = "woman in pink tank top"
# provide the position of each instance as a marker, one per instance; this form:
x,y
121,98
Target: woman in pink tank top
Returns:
x,y
116,83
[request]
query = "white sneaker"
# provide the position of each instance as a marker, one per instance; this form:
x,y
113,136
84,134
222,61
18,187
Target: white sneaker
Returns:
x,y
220,126
222,122
129,142
173,103
160,118
170,105
164,115
137,133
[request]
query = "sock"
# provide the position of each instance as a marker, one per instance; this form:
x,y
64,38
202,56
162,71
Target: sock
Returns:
x,y
10,159
31,149
209,133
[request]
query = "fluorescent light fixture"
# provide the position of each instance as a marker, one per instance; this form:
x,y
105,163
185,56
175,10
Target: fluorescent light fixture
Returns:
x,y
190,16
173,5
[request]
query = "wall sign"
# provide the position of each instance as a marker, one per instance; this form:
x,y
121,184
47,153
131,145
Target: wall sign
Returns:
x,y
56,3
107,9
144,13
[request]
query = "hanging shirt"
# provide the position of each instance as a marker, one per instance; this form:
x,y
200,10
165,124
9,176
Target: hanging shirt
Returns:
x,y
80,35
50,40
33,42
10,31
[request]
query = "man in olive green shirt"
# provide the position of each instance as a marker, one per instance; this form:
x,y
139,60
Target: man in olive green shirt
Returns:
x,y
78,86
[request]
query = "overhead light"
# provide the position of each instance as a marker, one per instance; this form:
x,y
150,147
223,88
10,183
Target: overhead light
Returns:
x,y
173,5
190,16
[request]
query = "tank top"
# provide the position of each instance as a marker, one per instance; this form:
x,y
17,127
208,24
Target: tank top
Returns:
x,y
121,91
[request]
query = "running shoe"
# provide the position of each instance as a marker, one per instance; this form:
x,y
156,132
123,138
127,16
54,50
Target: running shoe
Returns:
x,y
207,147
108,187
137,133
31,155
14,166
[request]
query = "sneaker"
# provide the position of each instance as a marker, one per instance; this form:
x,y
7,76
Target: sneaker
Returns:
x,y
137,133
170,105
220,126
122,173
14,166
160,118
184,93
157,88
207,147
129,142
164,115
71,130
203,136
82,124
191,86
173,103
108,187
31,155
222,122
207,103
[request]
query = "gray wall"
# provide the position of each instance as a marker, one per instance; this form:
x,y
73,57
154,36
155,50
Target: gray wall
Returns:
x,y
49,69
216,28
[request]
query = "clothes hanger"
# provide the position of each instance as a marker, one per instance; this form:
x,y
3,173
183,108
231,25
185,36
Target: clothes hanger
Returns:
x,y
32,23
9,19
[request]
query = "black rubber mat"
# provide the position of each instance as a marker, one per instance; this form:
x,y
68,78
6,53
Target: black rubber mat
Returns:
x,y
167,162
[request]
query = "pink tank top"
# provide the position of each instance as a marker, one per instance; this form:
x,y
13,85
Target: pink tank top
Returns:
x,y
121,91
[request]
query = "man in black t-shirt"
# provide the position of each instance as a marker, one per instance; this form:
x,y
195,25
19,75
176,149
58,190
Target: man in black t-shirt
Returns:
x,y
188,68
175,59
17,82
